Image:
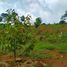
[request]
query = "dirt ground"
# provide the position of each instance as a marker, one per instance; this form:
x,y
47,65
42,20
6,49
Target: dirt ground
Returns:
x,y
58,60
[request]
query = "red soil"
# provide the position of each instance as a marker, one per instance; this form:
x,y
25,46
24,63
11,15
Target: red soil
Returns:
x,y
58,60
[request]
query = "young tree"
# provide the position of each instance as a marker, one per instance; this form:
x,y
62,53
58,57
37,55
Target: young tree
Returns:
x,y
27,21
14,37
12,16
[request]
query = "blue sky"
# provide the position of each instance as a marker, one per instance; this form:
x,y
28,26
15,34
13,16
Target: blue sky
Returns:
x,y
49,10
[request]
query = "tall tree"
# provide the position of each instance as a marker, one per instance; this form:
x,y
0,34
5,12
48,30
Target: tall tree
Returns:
x,y
38,22
0,19
23,18
63,18
4,15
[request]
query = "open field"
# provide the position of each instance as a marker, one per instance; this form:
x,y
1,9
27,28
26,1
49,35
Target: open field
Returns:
x,y
23,44
49,50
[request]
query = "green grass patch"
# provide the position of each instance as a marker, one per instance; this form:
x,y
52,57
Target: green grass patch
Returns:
x,y
39,55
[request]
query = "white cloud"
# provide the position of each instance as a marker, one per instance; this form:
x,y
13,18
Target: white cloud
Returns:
x,y
49,10
51,1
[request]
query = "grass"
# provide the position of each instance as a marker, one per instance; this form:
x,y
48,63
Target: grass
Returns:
x,y
61,47
41,56
43,46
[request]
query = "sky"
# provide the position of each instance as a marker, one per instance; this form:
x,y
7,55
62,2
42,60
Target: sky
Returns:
x,y
49,10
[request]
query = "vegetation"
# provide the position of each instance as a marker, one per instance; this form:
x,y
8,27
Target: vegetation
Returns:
x,y
16,36
37,22
63,18
21,38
